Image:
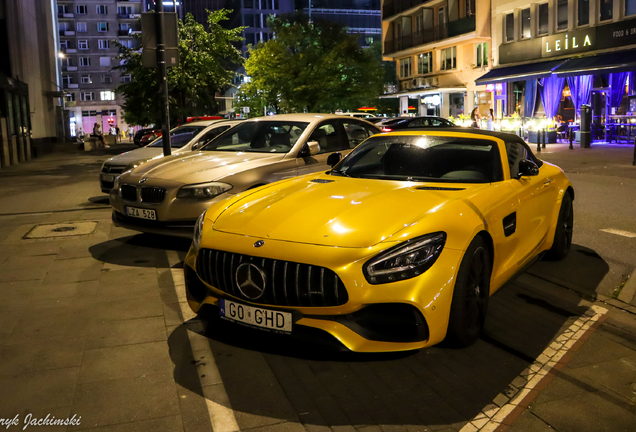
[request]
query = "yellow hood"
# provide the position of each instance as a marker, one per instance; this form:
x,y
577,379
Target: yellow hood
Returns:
x,y
345,212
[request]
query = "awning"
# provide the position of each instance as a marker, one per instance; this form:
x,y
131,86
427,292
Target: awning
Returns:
x,y
620,61
520,72
425,92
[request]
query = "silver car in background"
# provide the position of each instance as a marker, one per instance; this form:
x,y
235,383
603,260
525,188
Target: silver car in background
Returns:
x,y
167,195
183,138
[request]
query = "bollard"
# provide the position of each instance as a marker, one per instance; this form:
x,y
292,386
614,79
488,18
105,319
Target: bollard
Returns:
x,y
538,141
544,137
571,137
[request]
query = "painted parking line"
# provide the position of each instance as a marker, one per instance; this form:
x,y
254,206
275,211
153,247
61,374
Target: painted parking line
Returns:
x,y
510,403
216,398
619,232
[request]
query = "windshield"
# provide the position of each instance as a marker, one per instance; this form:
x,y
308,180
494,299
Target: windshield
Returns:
x,y
179,136
424,158
259,137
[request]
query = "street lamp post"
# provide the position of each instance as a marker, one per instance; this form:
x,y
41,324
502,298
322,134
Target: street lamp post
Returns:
x,y
62,56
163,77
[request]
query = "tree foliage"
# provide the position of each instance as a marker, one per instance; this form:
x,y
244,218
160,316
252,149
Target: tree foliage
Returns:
x,y
206,63
314,67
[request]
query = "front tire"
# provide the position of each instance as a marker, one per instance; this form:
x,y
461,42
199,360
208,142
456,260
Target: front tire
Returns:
x,y
470,295
563,233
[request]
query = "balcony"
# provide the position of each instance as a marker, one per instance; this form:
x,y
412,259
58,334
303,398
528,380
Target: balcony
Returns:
x,y
437,33
67,33
65,15
122,33
70,85
70,104
70,68
70,51
134,16
394,7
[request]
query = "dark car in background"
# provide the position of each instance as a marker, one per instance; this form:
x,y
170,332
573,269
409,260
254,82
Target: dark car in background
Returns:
x,y
143,132
400,123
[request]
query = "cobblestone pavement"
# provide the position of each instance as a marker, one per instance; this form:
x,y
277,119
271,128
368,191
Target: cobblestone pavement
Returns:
x,y
95,325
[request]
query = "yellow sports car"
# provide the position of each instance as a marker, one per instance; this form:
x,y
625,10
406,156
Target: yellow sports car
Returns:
x,y
397,247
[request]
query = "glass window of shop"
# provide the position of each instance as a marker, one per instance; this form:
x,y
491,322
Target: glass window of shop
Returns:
x,y
526,32
405,67
481,54
562,14
425,63
630,7
583,12
448,58
509,27
607,7
543,15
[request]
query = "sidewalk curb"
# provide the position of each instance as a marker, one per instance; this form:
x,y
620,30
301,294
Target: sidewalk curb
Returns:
x,y
628,291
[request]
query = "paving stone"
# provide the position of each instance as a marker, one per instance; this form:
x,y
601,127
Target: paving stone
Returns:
x,y
48,354
125,332
37,390
138,282
8,321
73,289
136,399
125,309
282,427
598,349
163,424
20,274
15,296
126,361
49,323
28,263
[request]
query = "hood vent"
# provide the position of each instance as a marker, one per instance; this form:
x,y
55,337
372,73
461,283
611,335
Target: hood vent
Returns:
x,y
438,188
321,181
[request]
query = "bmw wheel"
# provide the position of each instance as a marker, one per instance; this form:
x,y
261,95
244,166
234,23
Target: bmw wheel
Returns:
x,y
470,296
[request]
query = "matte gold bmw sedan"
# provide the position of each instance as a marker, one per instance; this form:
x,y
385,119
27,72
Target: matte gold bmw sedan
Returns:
x,y
398,247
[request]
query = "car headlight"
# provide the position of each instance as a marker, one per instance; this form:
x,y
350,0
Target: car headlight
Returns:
x,y
406,260
198,230
203,190
116,183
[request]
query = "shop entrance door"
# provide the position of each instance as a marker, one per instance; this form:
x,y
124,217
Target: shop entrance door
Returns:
x,y
599,115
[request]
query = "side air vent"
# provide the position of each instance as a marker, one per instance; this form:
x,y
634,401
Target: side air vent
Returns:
x,y
437,188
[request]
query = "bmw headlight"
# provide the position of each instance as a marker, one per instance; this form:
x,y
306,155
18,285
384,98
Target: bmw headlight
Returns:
x,y
198,230
406,260
203,190
116,183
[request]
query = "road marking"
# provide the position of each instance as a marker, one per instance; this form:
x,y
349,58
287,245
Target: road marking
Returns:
x,y
493,415
619,232
216,398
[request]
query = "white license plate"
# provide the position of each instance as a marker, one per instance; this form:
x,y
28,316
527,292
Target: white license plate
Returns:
x,y
258,317
141,213
108,177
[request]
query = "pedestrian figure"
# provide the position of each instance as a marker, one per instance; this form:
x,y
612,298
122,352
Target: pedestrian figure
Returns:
x,y
491,118
97,133
475,117
131,133
118,132
405,114
80,135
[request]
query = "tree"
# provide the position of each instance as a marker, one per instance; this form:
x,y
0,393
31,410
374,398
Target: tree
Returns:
x,y
317,67
207,58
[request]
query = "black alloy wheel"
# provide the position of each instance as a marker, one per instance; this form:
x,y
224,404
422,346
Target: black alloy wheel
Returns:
x,y
470,296
563,232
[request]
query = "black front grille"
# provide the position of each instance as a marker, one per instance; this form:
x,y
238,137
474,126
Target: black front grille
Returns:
x,y
153,195
129,193
287,283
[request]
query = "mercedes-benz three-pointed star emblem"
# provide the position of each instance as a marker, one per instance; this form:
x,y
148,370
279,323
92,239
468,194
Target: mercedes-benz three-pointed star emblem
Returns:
x,y
250,280
143,180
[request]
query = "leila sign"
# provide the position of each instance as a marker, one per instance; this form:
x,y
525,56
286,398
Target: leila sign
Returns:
x,y
568,43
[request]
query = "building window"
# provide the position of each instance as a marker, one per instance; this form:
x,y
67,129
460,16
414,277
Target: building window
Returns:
x,y
81,26
126,78
583,12
87,96
425,63
630,7
124,27
84,61
86,79
248,4
405,67
543,12
81,9
562,14
107,95
62,9
82,44
107,79
128,43
124,10
448,58
103,44
509,27
419,24
102,27
470,7
481,54
248,20
102,9
66,80
69,97
63,45
607,7
104,61
526,31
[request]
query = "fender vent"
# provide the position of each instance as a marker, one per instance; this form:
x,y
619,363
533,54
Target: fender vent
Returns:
x,y
437,188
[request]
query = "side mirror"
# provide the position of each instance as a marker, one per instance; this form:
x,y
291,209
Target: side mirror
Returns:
x,y
527,167
314,148
333,159
195,146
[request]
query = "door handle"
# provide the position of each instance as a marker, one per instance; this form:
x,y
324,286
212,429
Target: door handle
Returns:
x,y
547,182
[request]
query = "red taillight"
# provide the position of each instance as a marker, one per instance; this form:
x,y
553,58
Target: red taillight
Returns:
x,y
386,129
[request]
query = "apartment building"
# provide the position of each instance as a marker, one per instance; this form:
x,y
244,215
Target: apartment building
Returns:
x,y
440,48
552,56
87,54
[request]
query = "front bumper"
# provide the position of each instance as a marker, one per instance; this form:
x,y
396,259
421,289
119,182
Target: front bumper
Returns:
x,y
398,316
183,229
